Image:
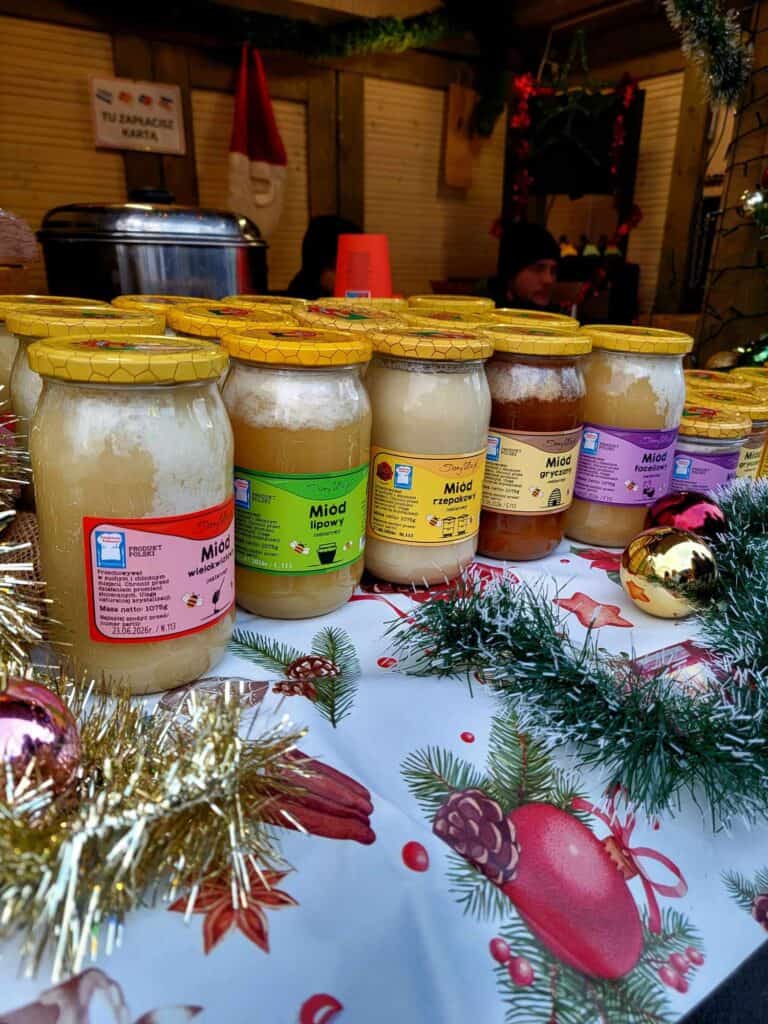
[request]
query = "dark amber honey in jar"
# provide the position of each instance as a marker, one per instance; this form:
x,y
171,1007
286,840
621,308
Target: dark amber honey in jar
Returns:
x,y
537,393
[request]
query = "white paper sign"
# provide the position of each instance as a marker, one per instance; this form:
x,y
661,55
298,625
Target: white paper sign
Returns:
x,y
137,115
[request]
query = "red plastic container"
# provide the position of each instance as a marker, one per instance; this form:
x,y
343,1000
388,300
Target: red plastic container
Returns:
x,y
362,267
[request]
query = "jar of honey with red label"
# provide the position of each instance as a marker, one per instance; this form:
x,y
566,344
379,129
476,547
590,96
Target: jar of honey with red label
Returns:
x,y
537,393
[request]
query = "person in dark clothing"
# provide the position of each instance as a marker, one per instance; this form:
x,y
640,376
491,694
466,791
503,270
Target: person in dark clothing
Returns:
x,y
528,261
317,276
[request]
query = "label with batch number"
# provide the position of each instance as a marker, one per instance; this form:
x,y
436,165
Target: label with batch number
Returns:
x,y
624,467
703,472
156,579
299,523
425,499
530,473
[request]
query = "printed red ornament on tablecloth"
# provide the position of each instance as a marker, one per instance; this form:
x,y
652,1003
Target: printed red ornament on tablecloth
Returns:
x,y
320,1008
593,614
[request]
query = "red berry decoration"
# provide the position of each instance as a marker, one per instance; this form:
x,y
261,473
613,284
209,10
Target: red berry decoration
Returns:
x,y
520,971
694,956
669,976
500,951
682,985
571,894
467,737
760,909
415,856
680,963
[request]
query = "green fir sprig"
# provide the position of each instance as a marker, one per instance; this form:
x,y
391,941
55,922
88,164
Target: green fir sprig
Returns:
x,y
744,891
652,737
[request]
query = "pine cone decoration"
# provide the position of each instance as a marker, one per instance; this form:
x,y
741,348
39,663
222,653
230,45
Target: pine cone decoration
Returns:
x,y
312,666
298,688
475,827
760,909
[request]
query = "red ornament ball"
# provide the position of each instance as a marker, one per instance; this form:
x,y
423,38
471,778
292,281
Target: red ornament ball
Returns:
x,y
36,724
570,893
415,856
521,971
687,510
500,950
680,963
694,956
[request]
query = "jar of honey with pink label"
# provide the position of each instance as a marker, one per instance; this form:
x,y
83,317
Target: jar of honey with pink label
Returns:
x,y
132,453
632,410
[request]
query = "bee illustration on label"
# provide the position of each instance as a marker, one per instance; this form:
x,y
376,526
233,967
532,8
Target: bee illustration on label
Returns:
x,y
348,545
534,491
631,485
434,521
192,600
299,548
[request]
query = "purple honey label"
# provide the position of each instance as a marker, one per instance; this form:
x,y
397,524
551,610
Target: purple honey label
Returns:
x,y
700,472
624,467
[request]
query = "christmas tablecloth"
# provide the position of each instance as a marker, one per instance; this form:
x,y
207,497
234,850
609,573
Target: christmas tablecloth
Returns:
x,y
581,912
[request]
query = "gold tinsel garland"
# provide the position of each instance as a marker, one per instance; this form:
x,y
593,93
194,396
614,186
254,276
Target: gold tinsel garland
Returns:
x,y
164,799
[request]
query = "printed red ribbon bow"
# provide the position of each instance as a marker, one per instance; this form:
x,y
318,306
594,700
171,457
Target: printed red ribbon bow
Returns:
x,y
628,858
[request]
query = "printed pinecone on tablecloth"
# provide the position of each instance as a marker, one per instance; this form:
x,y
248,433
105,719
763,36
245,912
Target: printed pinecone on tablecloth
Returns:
x,y
760,909
296,688
312,666
474,825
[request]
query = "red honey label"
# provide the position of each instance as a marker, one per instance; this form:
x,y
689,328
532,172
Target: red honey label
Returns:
x,y
158,579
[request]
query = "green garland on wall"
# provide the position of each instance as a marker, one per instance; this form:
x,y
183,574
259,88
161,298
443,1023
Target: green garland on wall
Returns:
x,y
709,36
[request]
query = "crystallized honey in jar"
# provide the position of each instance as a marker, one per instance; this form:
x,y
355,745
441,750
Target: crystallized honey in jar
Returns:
x,y
458,303
30,323
752,403
132,454
431,409
302,425
632,410
534,318
709,446
537,394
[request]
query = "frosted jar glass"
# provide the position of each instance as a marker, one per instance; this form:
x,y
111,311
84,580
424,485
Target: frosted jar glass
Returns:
x,y
425,408
25,386
626,391
311,425
8,345
130,452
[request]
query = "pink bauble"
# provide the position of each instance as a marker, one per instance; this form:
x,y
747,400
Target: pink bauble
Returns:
x,y
688,510
571,895
36,724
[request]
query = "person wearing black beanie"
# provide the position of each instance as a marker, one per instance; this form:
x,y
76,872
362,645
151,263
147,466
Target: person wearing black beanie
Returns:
x,y
528,261
316,278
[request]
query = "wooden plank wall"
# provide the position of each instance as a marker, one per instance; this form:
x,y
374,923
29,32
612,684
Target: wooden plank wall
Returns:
x,y
46,140
212,118
434,232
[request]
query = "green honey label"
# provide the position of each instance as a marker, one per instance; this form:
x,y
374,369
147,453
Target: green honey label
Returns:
x,y
299,523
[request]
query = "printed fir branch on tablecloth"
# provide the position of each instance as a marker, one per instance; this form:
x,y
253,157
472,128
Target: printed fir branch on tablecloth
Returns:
x,y
652,735
327,675
571,946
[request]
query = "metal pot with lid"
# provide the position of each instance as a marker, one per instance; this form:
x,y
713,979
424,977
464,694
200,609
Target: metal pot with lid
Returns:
x,y
101,251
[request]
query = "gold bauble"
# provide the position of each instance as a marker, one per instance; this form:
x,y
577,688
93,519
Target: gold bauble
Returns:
x,y
668,573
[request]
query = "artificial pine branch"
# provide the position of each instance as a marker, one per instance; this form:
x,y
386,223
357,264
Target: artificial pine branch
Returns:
x,y
712,38
478,897
262,650
336,694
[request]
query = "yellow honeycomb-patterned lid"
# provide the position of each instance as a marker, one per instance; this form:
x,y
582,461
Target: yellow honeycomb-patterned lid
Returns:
x,y
534,317
701,421
265,300
160,303
753,375
716,379
295,348
392,302
128,359
752,403
48,321
461,303
652,341
9,301
436,345
533,342
216,318
448,318
349,317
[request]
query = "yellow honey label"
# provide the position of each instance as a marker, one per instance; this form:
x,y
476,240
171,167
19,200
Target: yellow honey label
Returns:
x,y
530,473
425,499
751,456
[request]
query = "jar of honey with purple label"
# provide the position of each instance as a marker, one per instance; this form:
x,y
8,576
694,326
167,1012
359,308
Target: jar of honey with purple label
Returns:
x,y
632,411
708,448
